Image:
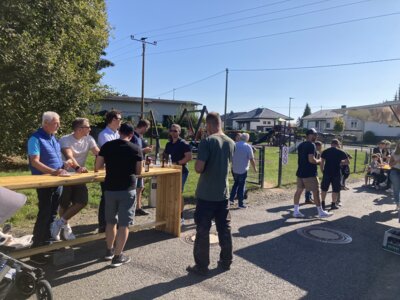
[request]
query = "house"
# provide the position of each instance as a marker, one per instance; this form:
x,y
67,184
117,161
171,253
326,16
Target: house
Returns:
x,y
229,119
259,119
324,121
131,106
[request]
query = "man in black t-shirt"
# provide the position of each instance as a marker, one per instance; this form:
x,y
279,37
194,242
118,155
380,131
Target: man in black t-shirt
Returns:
x,y
331,160
123,161
307,174
180,154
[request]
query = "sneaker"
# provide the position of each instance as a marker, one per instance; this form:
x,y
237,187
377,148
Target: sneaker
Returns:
x,y
224,266
389,190
242,206
55,229
39,259
182,221
109,254
231,203
309,201
323,206
67,233
141,212
197,270
334,206
119,260
298,214
101,229
397,206
324,214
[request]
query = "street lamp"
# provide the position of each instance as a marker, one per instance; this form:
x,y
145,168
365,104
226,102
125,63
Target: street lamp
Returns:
x,y
290,106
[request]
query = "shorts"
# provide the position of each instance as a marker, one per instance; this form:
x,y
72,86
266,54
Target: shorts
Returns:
x,y
120,207
328,180
140,183
74,194
310,183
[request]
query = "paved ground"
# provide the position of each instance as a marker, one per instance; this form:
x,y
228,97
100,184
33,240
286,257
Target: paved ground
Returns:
x,y
271,260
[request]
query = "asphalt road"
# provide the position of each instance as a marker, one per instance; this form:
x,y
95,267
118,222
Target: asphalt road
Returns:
x,y
271,260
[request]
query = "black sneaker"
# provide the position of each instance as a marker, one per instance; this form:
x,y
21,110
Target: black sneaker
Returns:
x,y
224,266
309,201
101,229
197,270
109,254
119,260
39,259
334,206
141,212
323,205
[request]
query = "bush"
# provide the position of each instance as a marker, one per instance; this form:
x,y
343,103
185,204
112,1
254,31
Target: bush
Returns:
x,y
370,137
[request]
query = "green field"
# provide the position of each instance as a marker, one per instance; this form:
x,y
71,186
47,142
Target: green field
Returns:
x,y
29,211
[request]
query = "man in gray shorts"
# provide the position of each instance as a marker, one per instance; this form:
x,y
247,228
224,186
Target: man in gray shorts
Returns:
x,y
123,162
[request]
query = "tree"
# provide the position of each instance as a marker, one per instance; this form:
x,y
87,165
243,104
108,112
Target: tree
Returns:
x,y
307,112
338,125
49,60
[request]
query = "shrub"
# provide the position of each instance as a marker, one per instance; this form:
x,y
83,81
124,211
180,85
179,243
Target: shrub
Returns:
x,y
370,137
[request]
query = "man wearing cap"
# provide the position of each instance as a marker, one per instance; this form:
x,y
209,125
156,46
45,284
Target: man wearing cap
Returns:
x,y
307,175
331,160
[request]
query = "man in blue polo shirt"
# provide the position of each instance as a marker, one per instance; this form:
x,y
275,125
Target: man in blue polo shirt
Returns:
x,y
44,153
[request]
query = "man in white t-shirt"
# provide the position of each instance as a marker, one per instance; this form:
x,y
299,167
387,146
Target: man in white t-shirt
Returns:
x,y
110,133
76,147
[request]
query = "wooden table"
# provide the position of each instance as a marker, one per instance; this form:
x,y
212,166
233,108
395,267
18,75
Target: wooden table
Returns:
x,y
169,193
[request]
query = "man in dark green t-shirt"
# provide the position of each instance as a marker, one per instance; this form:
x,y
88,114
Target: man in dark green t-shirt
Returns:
x,y
213,158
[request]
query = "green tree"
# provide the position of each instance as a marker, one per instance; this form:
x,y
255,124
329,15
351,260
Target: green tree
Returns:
x,y
49,60
307,112
338,125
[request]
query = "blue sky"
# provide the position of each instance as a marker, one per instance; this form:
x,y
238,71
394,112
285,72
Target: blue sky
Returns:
x,y
372,39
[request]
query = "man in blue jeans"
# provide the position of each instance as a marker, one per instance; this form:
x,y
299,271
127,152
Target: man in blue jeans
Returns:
x,y
215,153
240,165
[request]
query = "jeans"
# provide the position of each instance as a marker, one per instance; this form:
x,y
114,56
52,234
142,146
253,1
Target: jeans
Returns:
x,y
204,213
48,205
395,179
102,208
238,187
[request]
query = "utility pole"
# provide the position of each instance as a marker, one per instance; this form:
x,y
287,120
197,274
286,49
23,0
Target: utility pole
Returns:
x,y
144,42
290,129
226,96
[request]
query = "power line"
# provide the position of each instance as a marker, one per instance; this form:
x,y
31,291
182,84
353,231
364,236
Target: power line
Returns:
x,y
277,34
265,21
214,17
189,84
244,18
317,66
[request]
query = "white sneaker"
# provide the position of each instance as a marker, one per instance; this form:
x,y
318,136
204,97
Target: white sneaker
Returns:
x,y
397,206
55,229
324,214
298,214
182,221
67,233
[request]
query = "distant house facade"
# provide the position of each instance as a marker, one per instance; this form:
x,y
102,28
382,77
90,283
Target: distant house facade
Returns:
x,y
130,107
229,119
259,119
324,121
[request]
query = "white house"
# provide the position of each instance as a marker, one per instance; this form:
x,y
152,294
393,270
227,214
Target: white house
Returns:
x,y
259,119
131,106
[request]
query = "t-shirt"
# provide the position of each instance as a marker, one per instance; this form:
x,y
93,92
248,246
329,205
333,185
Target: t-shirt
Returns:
x,y
138,140
333,156
120,158
216,151
106,135
80,148
241,157
306,169
177,151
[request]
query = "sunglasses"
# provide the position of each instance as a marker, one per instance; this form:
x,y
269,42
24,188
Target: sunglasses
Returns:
x,y
84,127
173,130
117,118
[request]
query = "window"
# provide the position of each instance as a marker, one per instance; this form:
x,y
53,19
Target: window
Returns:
x,y
264,122
353,124
269,122
328,125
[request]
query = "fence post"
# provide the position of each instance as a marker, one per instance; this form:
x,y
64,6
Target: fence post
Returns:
x,y
261,167
280,167
355,160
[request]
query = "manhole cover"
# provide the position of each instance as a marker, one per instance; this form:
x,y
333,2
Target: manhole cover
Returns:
x,y
190,238
324,235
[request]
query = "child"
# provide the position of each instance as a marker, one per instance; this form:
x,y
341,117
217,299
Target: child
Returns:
x,y
374,171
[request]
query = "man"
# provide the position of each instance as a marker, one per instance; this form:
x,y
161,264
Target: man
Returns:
x,y
75,147
307,174
331,160
383,150
180,154
215,153
141,128
240,165
110,133
308,194
123,163
45,158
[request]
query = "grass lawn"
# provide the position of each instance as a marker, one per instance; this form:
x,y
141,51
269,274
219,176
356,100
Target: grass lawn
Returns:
x,y
27,214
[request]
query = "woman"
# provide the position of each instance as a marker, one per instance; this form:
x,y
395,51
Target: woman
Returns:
x,y
394,163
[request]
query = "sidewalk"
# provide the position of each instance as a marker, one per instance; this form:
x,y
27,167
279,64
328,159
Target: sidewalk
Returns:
x,y
271,260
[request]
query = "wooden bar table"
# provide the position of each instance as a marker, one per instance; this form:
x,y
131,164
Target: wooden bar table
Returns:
x,y
168,206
